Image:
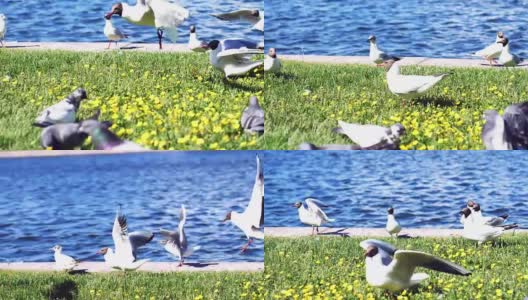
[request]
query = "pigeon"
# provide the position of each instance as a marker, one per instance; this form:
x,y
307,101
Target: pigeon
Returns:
x,y
62,112
161,14
409,86
312,214
509,132
272,63
233,57
104,139
3,28
309,146
113,34
372,136
194,43
376,55
176,241
252,219
493,51
506,58
392,227
393,270
478,231
254,17
252,119
126,246
63,262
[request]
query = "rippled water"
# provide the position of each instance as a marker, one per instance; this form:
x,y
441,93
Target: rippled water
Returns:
x,y
426,188
82,21
71,201
428,28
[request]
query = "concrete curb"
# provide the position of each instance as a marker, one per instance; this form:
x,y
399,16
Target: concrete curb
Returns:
x,y
97,47
368,232
55,153
420,61
155,267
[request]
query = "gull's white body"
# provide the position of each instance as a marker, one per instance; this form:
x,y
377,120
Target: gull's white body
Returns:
x,y
492,51
480,232
3,28
410,86
112,33
393,226
272,64
313,215
195,44
376,55
366,135
176,243
234,62
123,263
64,262
508,59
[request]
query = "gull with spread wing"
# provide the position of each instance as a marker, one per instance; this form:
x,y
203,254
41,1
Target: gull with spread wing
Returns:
x,y
233,56
253,16
176,241
312,214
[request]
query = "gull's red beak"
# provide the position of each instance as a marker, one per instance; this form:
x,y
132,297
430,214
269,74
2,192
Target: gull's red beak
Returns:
x,y
109,15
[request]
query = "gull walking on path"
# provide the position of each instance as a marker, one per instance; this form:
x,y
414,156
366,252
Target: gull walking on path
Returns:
x,y
509,132
252,219
393,226
506,58
272,63
176,241
104,139
376,55
194,43
312,214
161,14
253,16
233,57
62,112
112,34
479,231
252,119
393,270
3,28
63,262
372,136
493,51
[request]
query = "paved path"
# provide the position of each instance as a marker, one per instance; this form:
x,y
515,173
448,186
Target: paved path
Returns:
x,y
365,232
96,47
157,267
46,153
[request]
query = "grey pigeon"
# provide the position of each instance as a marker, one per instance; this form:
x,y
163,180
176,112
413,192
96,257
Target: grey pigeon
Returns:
x,y
252,119
509,132
104,139
62,112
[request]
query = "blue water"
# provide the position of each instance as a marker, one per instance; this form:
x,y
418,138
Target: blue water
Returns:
x,y
426,188
82,21
428,28
71,201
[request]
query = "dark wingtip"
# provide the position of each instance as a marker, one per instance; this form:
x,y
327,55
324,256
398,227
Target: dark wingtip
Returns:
x,y
338,130
41,125
504,216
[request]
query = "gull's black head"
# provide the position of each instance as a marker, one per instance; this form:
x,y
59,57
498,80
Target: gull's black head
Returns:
x,y
476,207
117,9
255,13
465,211
192,29
213,44
372,38
371,251
297,204
504,41
272,52
390,211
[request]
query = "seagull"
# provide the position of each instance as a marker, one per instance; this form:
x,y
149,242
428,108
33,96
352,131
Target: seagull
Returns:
x,y
161,14
63,262
126,245
253,16
409,86
3,28
392,227
104,139
313,214
506,58
252,219
233,57
195,44
476,212
376,55
309,146
478,231
493,51
271,62
509,132
393,270
62,112
252,119
176,241
113,34
372,136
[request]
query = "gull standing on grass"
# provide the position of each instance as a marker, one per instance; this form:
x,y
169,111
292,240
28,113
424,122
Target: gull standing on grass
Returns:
x,y
65,136
372,136
252,219
506,58
104,139
481,232
252,119
63,262
233,57
509,132
161,14
126,245
376,55
493,51
393,226
3,28
312,215
393,270
62,112
176,241
112,34
194,43
254,17
272,63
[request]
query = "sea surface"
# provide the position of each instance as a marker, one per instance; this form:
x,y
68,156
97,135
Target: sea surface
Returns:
x,y
426,188
72,201
430,28
83,21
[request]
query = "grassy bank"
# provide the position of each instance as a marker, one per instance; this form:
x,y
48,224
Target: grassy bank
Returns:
x,y
150,286
305,103
334,268
159,100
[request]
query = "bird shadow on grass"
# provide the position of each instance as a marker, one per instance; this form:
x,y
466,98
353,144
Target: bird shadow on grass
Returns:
x,y
436,101
237,85
405,236
130,47
338,232
64,290
20,46
200,265
284,76
79,272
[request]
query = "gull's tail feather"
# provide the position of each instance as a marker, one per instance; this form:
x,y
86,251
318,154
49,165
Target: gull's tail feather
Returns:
x,y
338,130
417,278
512,226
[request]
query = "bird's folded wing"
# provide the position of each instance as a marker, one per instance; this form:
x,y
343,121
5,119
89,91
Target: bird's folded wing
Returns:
x,y
363,135
492,49
407,261
314,208
255,209
412,83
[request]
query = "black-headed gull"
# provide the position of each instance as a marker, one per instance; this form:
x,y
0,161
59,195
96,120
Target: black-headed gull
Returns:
x,y
476,230
252,219
252,119
476,213
233,56
62,112
65,136
372,136
63,262
253,16
104,139
393,270
312,214
112,33
509,132
493,51
376,55
507,58
126,245
271,62
3,28
194,43
176,241
409,86
161,14
393,226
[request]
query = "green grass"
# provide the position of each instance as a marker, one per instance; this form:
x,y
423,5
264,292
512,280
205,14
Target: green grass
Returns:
x,y
305,103
334,268
159,100
139,285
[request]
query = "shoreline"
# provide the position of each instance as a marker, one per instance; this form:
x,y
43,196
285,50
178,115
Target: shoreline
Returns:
x,y
96,47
